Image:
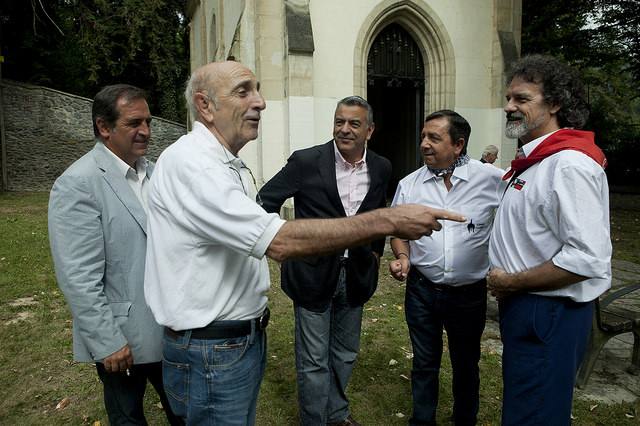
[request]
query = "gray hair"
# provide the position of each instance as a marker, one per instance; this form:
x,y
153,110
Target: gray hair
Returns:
x,y
358,101
198,82
490,149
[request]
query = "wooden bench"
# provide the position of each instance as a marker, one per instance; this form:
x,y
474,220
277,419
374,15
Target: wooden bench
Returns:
x,y
609,321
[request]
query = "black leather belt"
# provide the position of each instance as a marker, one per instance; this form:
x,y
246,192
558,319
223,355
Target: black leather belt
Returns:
x,y
448,287
224,329
459,288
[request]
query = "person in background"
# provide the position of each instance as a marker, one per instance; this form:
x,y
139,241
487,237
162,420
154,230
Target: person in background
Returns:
x,y
490,154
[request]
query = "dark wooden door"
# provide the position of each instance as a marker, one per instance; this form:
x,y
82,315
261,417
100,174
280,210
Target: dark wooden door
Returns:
x,y
395,90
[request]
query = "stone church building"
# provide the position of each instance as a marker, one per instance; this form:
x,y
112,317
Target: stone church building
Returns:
x,y
406,57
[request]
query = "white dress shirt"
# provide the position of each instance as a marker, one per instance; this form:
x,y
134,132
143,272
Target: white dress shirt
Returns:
x,y
557,209
457,254
206,238
136,178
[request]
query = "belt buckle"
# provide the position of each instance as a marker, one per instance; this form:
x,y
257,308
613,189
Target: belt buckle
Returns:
x,y
263,321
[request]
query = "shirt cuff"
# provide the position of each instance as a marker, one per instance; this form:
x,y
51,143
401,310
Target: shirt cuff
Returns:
x,y
261,246
578,262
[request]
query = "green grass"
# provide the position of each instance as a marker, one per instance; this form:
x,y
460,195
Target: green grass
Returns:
x,y
38,371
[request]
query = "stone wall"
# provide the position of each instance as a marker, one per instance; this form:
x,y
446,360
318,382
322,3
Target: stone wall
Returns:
x,y
47,130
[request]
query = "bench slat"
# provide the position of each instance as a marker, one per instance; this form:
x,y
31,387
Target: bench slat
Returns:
x,y
613,322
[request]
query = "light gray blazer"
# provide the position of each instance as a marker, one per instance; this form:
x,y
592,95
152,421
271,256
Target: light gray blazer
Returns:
x,y
97,232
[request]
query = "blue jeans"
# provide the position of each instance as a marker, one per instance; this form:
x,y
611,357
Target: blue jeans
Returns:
x,y
461,312
544,339
214,381
327,345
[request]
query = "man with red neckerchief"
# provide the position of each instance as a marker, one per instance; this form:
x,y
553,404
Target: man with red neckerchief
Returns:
x,y
550,248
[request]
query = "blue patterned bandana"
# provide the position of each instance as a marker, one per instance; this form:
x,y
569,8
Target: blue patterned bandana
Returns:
x,y
461,161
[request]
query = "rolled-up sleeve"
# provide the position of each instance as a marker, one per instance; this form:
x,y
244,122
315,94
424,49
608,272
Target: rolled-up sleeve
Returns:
x,y
219,212
577,211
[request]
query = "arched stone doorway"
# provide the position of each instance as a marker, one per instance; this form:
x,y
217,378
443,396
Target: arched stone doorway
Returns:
x,y
395,90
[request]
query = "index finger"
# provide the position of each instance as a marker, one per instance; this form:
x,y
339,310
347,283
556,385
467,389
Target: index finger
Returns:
x,y
447,215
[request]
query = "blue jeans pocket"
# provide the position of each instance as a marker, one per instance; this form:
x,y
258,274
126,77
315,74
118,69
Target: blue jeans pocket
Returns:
x,y
175,380
226,354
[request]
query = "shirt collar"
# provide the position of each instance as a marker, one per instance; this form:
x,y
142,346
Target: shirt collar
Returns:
x,y
530,146
460,172
340,159
225,155
140,165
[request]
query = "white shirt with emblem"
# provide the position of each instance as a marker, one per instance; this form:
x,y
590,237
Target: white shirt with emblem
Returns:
x,y
457,254
558,210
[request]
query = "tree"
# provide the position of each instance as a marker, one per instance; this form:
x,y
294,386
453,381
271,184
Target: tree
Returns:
x,y
79,46
619,26
602,39
558,28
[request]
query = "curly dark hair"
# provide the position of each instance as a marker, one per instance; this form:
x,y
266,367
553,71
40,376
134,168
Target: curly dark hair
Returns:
x,y
560,85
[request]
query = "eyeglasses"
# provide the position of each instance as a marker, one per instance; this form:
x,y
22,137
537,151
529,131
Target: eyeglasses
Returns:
x,y
237,172
255,185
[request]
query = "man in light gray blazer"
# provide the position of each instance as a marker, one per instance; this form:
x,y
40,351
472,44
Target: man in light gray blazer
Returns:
x,y
97,231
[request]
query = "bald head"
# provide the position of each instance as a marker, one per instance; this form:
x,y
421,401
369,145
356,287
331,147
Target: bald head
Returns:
x,y
225,97
206,79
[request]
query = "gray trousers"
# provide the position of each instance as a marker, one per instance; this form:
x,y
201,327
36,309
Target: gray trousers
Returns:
x,y
326,345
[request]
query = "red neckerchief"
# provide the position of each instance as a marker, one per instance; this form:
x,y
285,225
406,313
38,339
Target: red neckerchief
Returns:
x,y
577,140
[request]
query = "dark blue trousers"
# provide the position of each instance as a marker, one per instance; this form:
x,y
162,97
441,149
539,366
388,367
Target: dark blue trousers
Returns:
x,y
544,339
124,394
461,311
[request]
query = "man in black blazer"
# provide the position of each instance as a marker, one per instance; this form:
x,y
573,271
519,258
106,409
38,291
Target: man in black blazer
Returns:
x,y
337,179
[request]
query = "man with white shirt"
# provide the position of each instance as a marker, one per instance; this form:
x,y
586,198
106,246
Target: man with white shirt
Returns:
x,y
97,231
337,179
207,277
446,272
550,248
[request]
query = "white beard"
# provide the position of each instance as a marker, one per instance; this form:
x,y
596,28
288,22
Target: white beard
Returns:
x,y
516,129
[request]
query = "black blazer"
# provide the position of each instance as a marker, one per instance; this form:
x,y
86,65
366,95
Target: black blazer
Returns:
x,y
310,178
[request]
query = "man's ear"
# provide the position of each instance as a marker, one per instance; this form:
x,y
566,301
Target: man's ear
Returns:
x,y
554,109
204,105
103,128
459,145
370,130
